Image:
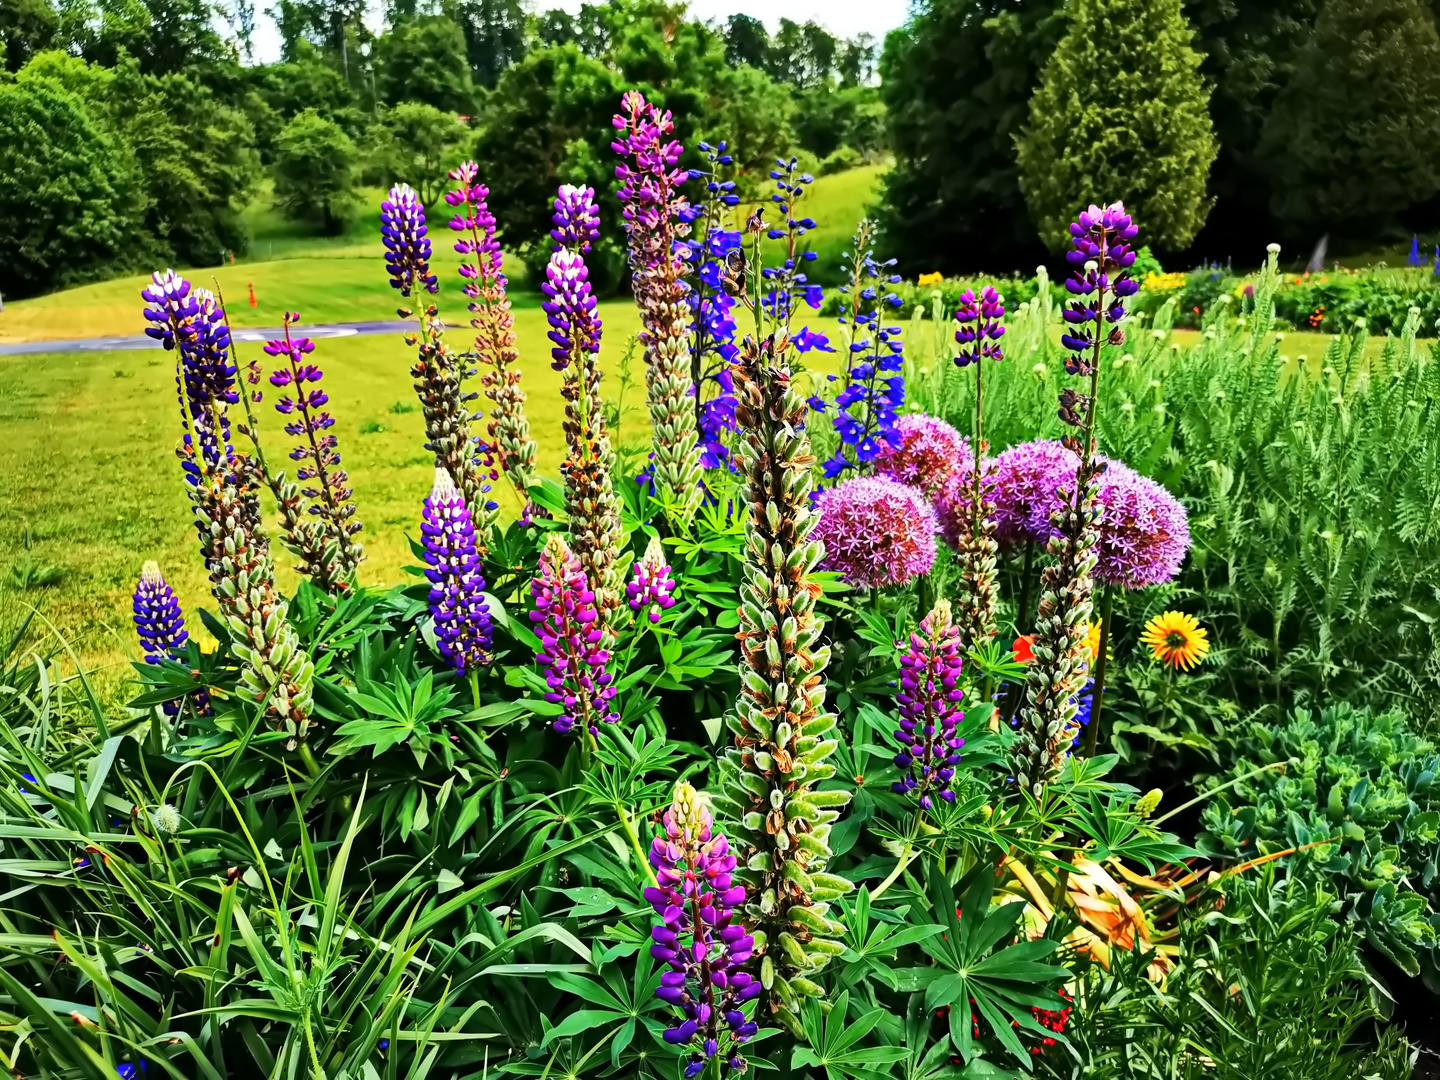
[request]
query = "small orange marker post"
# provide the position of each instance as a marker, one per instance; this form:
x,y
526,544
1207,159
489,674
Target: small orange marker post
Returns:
x,y
232,258
252,294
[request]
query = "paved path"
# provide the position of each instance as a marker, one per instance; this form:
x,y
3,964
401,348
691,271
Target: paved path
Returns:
x,y
263,333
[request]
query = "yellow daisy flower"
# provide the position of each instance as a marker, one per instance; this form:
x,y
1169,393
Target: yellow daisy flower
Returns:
x,y
930,279
1177,639
1092,646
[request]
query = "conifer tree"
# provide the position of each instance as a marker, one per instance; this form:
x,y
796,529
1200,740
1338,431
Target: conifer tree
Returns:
x,y
1355,136
1121,114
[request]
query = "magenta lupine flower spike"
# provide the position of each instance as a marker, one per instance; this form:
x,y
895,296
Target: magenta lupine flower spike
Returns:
x,y
406,240
929,700
980,329
700,939
570,307
457,588
159,621
576,219
576,667
319,461
1101,237
652,585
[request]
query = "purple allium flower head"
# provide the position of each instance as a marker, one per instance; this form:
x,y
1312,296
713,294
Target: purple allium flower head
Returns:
x,y
191,321
652,584
576,218
1144,531
930,453
1027,481
568,624
1102,260
980,329
406,240
929,699
570,307
875,531
159,621
457,588
700,939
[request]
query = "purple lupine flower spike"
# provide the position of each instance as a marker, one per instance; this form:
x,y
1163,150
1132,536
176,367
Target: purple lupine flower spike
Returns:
x,y
980,329
568,623
317,454
159,621
652,585
1102,238
576,219
700,940
407,243
457,588
929,700
570,307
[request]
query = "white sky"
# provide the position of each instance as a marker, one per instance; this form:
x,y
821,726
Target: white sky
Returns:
x,y
843,18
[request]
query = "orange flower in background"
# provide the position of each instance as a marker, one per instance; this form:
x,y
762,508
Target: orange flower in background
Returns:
x,y
1177,639
1024,648
930,279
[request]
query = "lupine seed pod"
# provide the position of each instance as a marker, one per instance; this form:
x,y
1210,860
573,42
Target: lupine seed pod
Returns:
x,y
329,496
978,594
437,372
274,669
783,733
701,939
590,502
656,224
1102,257
457,587
486,285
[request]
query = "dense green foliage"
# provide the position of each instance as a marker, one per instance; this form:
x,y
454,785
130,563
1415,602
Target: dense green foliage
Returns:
x,y
1354,138
1120,108
315,172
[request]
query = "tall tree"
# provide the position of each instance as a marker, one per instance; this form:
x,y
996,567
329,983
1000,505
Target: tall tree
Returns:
x,y
494,35
26,28
957,82
1354,139
747,42
856,64
1249,49
425,60
315,172
1121,113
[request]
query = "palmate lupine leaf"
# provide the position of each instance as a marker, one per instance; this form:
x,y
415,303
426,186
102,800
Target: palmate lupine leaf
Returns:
x,y
833,1042
977,971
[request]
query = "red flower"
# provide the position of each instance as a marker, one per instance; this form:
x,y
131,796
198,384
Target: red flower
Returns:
x,y
1024,648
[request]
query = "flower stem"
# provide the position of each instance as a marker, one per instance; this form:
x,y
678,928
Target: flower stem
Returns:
x,y
634,835
1097,691
907,856
307,758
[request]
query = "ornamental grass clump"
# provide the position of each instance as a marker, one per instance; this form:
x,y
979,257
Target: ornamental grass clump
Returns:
x,y
701,938
978,337
655,221
875,532
482,268
1100,283
780,724
570,307
572,652
457,601
437,372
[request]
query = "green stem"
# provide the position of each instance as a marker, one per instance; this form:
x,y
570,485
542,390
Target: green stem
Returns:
x,y
634,835
475,687
1097,692
307,758
1216,790
1027,584
907,856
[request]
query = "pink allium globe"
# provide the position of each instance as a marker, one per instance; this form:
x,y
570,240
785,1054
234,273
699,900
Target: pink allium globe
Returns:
x,y
926,454
876,531
1027,479
1144,531
953,501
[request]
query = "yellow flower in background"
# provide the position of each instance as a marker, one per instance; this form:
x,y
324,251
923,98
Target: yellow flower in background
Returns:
x,y
930,279
1164,282
1177,639
1092,645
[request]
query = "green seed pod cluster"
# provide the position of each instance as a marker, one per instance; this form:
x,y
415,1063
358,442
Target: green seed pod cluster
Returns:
x,y
783,733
